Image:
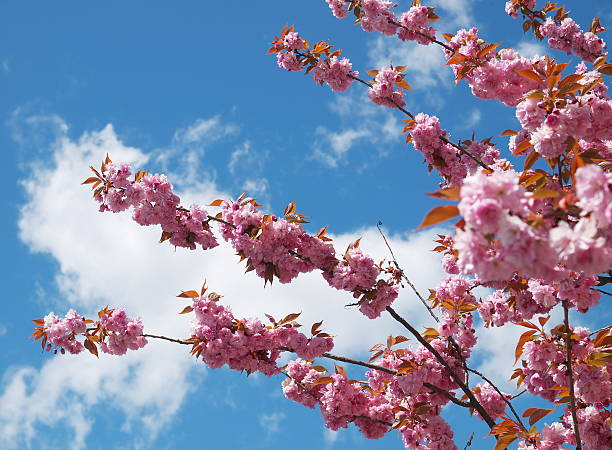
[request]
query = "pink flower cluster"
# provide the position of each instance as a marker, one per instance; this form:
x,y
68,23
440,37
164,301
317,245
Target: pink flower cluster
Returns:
x,y
154,203
415,26
569,38
496,242
513,6
338,8
123,333
384,91
437,153
61,333
544,367
492,76
219,338
285,250
489,398
115,332
337,73
377,16
586,116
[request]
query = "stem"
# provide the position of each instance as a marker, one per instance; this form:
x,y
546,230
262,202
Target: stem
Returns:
x,y
434,388
518,419
434,40
397,266
465,152
178,341
570,374
470,395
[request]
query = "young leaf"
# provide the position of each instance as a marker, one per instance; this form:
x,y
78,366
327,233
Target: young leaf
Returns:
x,y
439,214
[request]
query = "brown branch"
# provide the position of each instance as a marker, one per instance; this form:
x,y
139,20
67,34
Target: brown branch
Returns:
x,y
466,390
434,40
434,388
466,153
178,341
397,266
518,418
570,373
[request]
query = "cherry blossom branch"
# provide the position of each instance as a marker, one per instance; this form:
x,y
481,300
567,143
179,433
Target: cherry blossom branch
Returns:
x,y
442,138
429,38
397,266
434,388
165,338
466,153
402,109
518,418
466,390
570,374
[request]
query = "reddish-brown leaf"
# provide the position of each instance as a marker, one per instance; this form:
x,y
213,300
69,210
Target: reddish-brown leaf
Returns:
x,y
189,294
439,214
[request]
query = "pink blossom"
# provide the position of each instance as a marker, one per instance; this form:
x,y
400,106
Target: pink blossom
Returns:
x,y
335,72
384,91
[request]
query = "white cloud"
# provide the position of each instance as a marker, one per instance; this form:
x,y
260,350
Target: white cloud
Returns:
x,y
3,330
330,436
454,13
471,120
256,187
530,49
6,65
375,126
331,147
271,422
185,153
109,259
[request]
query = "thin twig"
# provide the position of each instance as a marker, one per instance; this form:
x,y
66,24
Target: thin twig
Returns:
x,y
470,395
434,40
570,374
604,292
469,442
465,152
178,341
397,266
518,418
434,388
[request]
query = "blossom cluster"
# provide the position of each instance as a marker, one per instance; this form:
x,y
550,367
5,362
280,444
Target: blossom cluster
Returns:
x,y
219,338
453,165
569,38
114,332
497,242
377,15
274,247
154,203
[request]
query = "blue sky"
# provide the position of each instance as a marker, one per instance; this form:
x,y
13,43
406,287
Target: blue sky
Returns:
x,y
189,90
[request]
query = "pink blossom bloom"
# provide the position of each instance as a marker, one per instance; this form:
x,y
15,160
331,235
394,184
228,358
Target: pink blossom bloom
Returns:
x,y
384,91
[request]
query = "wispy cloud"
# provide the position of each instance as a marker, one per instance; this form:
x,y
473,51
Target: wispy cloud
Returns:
x,y
471,120
530,49
3,330
331,147
271,423
246,166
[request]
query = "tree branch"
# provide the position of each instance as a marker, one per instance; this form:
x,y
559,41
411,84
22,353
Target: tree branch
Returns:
x,y
570,374
397,266
178,341
470,395
518,418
